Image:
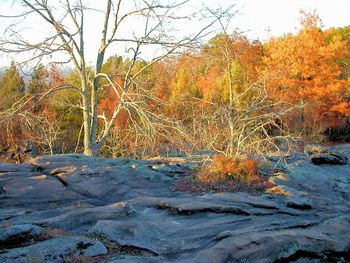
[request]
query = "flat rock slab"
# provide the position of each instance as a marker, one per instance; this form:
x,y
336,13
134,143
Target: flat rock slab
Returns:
x,y
18,234
126,211
36,190
54,250
80,219
283,245
23,168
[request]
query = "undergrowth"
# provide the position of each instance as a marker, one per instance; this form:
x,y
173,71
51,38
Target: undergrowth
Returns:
x,y
224,168
226,174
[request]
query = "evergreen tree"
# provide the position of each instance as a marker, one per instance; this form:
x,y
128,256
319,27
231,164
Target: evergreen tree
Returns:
x,y
39,79
11,87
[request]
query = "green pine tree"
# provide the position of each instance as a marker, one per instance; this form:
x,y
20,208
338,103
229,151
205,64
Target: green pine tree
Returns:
x,y
11,87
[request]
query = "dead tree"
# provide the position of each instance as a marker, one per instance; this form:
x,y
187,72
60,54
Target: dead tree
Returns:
x,y
67,20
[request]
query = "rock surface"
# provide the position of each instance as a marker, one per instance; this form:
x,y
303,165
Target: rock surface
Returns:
x,y
319,155
18,234
55,208
55,250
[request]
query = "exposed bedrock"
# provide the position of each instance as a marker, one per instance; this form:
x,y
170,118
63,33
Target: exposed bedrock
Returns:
x,y
62,208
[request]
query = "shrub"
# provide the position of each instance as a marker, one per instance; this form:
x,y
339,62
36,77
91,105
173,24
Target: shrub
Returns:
x,y
225,168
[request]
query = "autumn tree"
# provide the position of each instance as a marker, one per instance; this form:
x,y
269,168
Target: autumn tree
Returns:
x,y
11,89
39,79
305,69
36,124
236,60
182,88
217,96
67,31
44,122
163,74
344,34
229,83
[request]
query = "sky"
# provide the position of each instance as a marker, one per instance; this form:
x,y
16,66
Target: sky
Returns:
x,y
257,19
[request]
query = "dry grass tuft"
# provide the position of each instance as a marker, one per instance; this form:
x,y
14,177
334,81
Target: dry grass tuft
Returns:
x,y
227,174
224,168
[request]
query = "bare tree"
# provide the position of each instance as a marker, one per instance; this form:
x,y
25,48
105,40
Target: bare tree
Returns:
x,y
250,122
67,21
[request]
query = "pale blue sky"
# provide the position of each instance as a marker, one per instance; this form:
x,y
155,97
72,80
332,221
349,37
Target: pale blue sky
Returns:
x,y
258,19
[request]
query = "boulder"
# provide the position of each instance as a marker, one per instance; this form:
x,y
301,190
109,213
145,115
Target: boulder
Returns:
x,y
319,155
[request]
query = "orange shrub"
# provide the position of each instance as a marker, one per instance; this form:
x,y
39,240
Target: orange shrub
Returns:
x,y
225,168
223,164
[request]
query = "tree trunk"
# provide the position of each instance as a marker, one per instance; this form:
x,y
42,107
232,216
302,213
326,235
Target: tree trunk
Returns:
x,y
89,150
88,143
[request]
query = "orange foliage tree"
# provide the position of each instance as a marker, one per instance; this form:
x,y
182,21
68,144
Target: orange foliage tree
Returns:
x,y
304,68
232,60
109,102
212,88
205,75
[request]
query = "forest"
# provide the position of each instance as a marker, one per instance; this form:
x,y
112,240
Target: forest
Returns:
x,y
150,131
233,95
